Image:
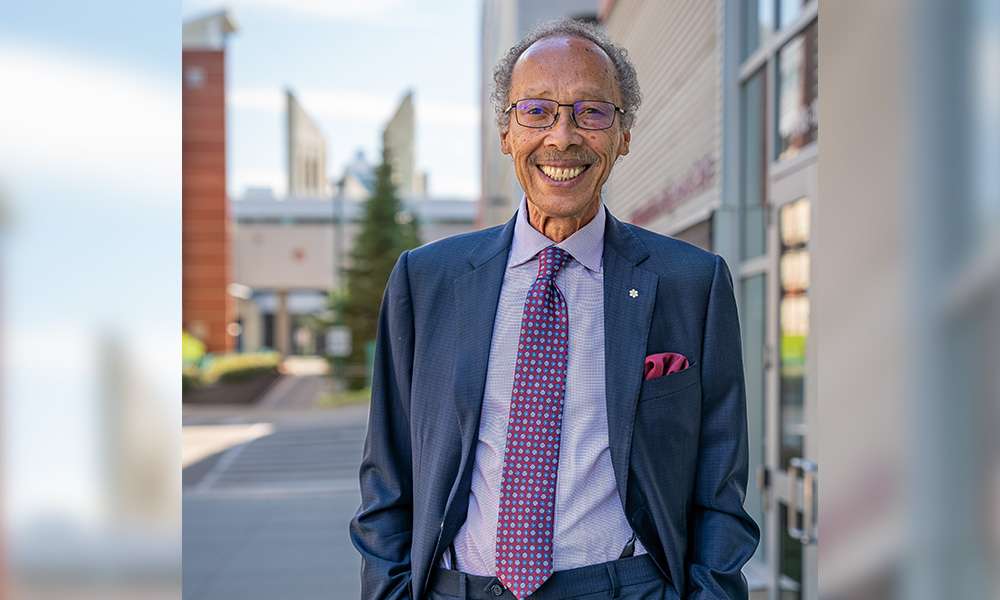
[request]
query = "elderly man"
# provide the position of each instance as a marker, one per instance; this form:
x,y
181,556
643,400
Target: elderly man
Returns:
x,y
558,403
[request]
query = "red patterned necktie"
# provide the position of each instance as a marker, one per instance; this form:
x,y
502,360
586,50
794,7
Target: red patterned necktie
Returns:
x,y
528,490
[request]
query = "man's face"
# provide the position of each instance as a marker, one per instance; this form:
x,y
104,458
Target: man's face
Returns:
x,y
562,168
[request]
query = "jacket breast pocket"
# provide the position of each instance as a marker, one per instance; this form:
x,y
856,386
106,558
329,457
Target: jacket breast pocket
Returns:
x,y
668,385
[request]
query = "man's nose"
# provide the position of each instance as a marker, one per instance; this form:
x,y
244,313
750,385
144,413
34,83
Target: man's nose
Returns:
x,y
564,132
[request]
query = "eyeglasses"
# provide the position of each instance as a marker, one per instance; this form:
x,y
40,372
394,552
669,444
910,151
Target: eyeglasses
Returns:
x,y
537,113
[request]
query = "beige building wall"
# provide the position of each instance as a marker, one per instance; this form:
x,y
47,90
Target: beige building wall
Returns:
x,y
306,154
671,180
399,139
277,256
251,320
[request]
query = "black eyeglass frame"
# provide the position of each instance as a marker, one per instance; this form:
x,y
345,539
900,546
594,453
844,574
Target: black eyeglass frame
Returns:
x,y
572,114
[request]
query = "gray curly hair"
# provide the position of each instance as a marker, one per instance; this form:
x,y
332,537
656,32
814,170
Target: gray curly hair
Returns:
x,y
628,82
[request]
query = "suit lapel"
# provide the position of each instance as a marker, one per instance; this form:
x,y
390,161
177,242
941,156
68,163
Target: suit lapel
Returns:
x,y
629,295
476,296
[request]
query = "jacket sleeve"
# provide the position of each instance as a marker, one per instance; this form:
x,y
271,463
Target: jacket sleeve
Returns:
x,y
721,536
382,528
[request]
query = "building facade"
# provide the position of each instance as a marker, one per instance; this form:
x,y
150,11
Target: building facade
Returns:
x,y
208,311
399,139
306,153
724,155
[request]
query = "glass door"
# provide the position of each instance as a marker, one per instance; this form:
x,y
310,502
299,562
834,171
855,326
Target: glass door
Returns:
x,y
777,110
790,477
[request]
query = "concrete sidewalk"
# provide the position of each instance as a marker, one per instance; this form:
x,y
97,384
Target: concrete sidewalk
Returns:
x,y
268,494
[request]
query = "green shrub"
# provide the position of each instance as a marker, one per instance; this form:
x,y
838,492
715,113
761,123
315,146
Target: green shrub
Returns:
x,y
190,377
192,349
239,366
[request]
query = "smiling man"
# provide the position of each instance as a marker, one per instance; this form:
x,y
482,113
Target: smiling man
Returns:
x,y
558,404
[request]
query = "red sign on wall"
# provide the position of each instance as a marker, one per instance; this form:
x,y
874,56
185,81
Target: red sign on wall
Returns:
x,y
697,178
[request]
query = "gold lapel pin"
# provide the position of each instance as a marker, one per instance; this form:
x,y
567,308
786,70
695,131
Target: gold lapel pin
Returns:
x,y
632,292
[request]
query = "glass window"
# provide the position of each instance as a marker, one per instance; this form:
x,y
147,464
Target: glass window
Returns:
x,y
194,77
753,200
793,321
798,93
759,19
789,10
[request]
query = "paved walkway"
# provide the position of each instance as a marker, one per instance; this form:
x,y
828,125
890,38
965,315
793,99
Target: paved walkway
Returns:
x,y
268,494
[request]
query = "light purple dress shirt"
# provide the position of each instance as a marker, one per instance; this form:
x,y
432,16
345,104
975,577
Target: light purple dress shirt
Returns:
x,y
590,525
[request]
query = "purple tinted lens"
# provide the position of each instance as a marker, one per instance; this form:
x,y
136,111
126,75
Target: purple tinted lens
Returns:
x,y
534,113
594,115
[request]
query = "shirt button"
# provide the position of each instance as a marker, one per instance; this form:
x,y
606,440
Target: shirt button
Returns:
x,y
496,589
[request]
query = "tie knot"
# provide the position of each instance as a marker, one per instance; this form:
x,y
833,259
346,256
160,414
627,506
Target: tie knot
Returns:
x,y
550,260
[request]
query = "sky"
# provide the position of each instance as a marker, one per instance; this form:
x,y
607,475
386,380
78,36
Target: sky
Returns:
x,y
350,64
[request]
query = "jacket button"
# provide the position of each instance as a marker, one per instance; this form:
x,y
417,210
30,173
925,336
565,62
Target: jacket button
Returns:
x,y
496,589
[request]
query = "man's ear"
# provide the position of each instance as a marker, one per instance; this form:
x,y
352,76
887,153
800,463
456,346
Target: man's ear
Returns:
x,y
503,142
623,145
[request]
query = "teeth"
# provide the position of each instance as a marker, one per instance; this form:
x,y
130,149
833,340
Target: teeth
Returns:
x,y
561,174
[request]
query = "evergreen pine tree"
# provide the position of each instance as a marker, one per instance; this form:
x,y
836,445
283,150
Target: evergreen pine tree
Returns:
x,y
385,232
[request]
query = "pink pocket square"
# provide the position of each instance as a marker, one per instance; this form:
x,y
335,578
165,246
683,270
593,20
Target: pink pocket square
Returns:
x,y
664,363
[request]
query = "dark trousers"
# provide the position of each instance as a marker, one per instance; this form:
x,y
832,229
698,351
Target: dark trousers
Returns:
x,y
633,578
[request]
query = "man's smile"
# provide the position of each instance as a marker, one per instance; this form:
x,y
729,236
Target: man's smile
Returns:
x,y
562,173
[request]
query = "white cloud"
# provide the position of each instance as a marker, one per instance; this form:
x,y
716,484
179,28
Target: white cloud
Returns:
x,y
88,120
347,10
343,104
349,105
439,114
260,99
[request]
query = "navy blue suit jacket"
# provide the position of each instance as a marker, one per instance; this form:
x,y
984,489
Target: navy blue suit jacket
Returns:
x,y
678,443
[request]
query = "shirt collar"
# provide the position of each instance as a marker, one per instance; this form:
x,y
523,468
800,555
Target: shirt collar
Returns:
x,y
586,245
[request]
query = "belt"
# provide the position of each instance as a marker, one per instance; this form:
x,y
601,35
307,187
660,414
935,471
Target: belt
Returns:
x,y
604,577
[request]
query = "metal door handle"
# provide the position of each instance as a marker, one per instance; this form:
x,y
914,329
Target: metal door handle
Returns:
x,y
807,534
